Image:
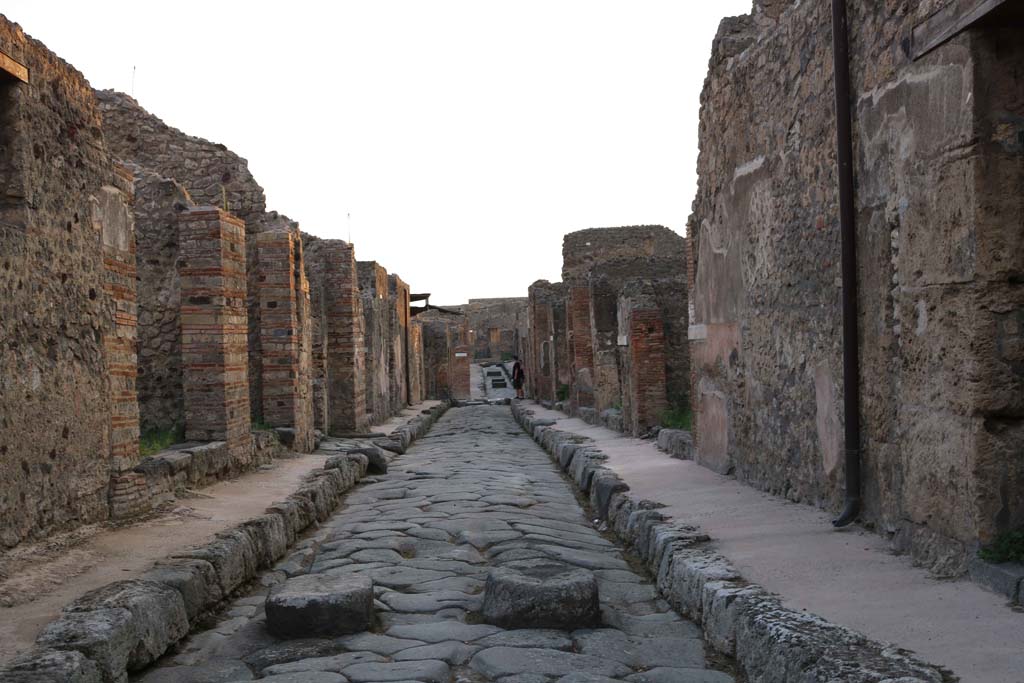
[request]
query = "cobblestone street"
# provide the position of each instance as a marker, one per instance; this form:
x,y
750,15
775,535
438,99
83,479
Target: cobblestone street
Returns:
x,y
474,495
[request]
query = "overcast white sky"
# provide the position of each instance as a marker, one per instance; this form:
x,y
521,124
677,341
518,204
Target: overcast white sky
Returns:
x,y
465,137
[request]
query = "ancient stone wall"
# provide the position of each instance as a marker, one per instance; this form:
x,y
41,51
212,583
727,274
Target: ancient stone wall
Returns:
x,y
376,305
158,202
212,174
442,334
66,300
937,150
497,327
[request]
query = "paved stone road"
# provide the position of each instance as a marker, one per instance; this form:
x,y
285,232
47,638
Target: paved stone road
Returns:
x,y
475,493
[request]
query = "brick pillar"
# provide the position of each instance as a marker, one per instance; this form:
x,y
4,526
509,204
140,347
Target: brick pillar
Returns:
x,y
582,391
646,368
459,380
116,225
346,388
285,336
112,217
214,329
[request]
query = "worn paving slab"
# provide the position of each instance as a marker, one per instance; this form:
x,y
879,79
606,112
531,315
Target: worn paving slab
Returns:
x,y
474,494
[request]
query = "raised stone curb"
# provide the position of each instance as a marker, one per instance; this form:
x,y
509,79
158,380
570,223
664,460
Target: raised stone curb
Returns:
x,y
676,442
126,625
770,642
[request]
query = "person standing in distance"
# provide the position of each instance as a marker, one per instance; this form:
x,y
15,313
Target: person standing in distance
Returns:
x,y
518,376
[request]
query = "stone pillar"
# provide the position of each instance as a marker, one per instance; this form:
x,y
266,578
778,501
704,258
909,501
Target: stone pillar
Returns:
x,y
377,332
285,336
214,329
398,347
346,389
416,378
459,380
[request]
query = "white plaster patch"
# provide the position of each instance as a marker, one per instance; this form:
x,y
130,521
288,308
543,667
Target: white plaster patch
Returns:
x,y
748,168
827,418
922,318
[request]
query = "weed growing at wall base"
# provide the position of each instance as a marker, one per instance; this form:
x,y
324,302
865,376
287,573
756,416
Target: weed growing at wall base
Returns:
x,y
1008,547
677,418
155,440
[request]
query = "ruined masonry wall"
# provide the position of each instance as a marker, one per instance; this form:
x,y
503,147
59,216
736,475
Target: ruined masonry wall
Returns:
x,y
158,202
65,313
937,153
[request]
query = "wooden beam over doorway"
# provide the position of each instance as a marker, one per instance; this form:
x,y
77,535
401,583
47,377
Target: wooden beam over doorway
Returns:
x,y
13,68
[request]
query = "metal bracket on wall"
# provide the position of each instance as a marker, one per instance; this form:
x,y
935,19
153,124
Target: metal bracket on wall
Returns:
x,y
951,20
11,67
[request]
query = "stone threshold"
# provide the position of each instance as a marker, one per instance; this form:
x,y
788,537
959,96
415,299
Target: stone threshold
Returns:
x,y
770,642
124,626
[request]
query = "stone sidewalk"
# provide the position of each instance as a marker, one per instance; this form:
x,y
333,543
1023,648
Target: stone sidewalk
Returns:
x,y
848,577
473,495
60,571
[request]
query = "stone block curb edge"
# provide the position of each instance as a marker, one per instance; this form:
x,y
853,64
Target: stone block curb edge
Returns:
x,y
124,626
771,643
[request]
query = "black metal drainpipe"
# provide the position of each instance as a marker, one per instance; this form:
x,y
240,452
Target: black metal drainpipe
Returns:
x,y
851,365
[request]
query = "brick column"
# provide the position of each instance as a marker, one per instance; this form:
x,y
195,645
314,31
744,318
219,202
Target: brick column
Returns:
x,y
111,215
582,391
346,388
115,222
214,329
646,370
459,380
285,336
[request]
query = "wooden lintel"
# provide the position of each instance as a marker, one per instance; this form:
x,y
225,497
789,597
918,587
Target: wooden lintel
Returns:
x,y
9,66
949,21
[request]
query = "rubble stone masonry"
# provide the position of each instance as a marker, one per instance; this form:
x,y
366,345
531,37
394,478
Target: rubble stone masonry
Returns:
x,y
66,300
939,163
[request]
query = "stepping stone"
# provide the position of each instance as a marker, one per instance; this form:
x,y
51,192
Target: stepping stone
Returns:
x,y
320,605
541,596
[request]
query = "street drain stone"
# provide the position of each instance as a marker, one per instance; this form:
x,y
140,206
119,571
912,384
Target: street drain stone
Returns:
x,y
541,596
320,605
